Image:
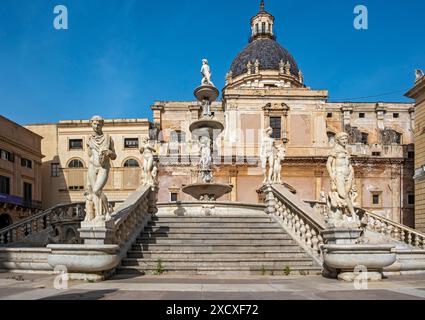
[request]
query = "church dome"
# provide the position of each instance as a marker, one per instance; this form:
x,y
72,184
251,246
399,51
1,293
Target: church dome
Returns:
x,y
269,54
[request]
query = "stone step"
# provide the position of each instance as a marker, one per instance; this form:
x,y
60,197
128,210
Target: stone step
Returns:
x,y
203,235
240,271
171,263
294,252
263,219
215,230
221,225
214,242
210,247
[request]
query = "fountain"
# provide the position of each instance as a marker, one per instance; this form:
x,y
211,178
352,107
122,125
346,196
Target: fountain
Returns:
x,y
206,130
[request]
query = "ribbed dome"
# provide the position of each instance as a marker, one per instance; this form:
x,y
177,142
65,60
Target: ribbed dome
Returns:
x,y
268,52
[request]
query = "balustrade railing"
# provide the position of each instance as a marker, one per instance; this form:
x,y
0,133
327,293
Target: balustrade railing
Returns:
x,y
298,219
41,221
381,225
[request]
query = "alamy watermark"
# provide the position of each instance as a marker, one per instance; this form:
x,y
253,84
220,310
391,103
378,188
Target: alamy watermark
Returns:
x,y
61,280
60,22
361,21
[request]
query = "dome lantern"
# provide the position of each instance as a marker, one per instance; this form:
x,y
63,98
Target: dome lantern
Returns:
x,y
262,25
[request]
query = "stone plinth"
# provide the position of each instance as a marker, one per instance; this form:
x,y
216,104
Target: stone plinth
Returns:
x,y
341,236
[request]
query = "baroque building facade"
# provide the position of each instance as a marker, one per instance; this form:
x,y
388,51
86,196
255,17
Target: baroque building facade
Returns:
x,y
264,88
418,93
20,173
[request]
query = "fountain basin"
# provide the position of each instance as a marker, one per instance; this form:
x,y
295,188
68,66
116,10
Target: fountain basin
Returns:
x,y
345,259
206,127
207,191
206,92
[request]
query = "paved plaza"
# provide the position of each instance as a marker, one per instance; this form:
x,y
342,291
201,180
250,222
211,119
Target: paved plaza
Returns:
x,y
41,287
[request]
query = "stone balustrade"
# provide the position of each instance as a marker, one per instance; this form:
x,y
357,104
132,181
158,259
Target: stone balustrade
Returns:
x,y
381,225
297,218
41,222
106,243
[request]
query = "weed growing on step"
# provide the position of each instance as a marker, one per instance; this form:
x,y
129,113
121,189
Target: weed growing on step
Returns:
x,y
159,268
286,271
263,270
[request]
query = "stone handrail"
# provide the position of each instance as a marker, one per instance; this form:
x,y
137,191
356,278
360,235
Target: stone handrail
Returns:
x,y
392,229
381,225
297,218
41,221
106,243
131,217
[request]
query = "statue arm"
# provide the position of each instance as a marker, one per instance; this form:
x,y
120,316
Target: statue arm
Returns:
x,y
112,153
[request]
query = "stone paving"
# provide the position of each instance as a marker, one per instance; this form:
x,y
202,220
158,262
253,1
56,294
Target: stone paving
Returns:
x,y
41,287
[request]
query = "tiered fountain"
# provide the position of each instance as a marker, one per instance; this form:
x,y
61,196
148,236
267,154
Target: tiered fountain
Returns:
x,y
206,130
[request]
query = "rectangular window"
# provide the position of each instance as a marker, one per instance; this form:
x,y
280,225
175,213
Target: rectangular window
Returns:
x,y
27,193
276,125
376,199
6,155
376,154
174,197
263,27
411,199
329,115
131,143
396,115
4,185
55,170
362,115
365,138
26,163
75,144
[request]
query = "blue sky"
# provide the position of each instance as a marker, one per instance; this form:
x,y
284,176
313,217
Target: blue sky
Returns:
x,y
120,56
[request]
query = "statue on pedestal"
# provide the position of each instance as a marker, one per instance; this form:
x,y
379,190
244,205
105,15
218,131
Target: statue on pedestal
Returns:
x,y
206,73
149,167
101,151
343,190
267,155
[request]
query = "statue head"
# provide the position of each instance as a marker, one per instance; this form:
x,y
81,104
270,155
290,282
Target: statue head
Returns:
x,y
269,131
97,123
204,61
342,139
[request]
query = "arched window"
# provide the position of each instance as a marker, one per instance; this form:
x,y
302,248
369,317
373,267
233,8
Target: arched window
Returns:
x,y
75,164
178,136
131,163
5,221
331,137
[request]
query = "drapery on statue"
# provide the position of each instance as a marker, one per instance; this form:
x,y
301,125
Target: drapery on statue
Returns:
x,y
150,167
101,151
206,73
419,74
343,190
273,156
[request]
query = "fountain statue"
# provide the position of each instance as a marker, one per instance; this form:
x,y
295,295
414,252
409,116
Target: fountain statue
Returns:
x,y
272,156
206,73
343,190
206,130
150,167
101,151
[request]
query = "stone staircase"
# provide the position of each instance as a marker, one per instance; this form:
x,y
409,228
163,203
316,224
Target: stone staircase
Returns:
x,y
218,245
